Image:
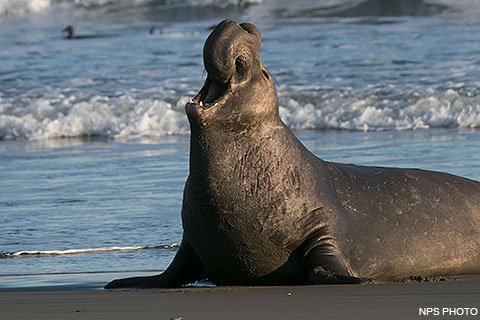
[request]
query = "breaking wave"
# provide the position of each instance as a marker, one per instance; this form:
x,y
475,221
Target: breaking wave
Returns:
x,y
381,111
326,8
64,116
126,116
12,8
21,7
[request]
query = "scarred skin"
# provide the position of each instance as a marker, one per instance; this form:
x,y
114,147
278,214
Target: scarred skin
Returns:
x,y
260,209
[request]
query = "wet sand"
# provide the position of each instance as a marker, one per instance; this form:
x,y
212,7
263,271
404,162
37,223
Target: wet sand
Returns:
x,y
370,301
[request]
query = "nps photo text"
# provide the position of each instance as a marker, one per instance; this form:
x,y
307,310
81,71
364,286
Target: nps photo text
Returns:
x,y
447,311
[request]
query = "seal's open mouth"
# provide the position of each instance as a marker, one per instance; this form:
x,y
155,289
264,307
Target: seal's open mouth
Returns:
x,y
230,54
211,93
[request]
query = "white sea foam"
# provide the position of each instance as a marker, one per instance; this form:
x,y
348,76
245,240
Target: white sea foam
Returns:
x,y
21,7
462,8
128,116
83,251
65,116
368,111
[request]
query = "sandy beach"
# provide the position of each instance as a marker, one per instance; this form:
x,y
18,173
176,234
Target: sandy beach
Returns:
x,y
371,301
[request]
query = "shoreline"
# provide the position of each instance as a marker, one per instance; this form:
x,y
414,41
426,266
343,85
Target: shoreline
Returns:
x,y
368,301
65,281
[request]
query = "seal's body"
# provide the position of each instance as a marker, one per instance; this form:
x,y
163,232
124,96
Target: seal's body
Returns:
x,y
259,208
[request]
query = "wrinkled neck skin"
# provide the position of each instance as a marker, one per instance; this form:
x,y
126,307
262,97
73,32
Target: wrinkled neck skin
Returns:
x,y
222,143
217,147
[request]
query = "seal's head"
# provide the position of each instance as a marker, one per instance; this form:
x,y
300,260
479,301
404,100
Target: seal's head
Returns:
x,y
239,92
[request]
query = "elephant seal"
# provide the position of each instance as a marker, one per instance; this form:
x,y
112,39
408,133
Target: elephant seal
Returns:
x,y
260,209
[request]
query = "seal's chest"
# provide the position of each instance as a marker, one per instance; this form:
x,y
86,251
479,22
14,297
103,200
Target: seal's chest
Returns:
x,y
229,242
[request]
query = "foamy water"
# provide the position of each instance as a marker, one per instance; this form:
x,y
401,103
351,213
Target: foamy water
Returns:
x,y
83,251
127,116
94,141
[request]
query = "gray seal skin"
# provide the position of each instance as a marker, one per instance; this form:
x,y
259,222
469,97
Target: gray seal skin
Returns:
x,y
260,209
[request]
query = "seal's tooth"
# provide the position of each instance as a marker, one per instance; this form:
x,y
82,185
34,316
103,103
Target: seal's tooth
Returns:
x,y
201,103
191,101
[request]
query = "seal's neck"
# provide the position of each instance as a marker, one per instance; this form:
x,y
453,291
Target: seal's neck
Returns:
x,y
219,153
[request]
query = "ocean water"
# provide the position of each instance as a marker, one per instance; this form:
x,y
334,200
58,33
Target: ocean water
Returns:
x,y
94,141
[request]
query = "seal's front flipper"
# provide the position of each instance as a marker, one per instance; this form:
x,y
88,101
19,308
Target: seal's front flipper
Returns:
x,y
319,275
137,282
324,263
185,268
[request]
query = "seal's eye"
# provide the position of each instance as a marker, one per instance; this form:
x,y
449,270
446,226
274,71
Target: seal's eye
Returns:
x,y
240,65
265,74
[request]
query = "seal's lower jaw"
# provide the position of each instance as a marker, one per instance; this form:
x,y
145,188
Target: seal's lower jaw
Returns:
x,y
212,94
